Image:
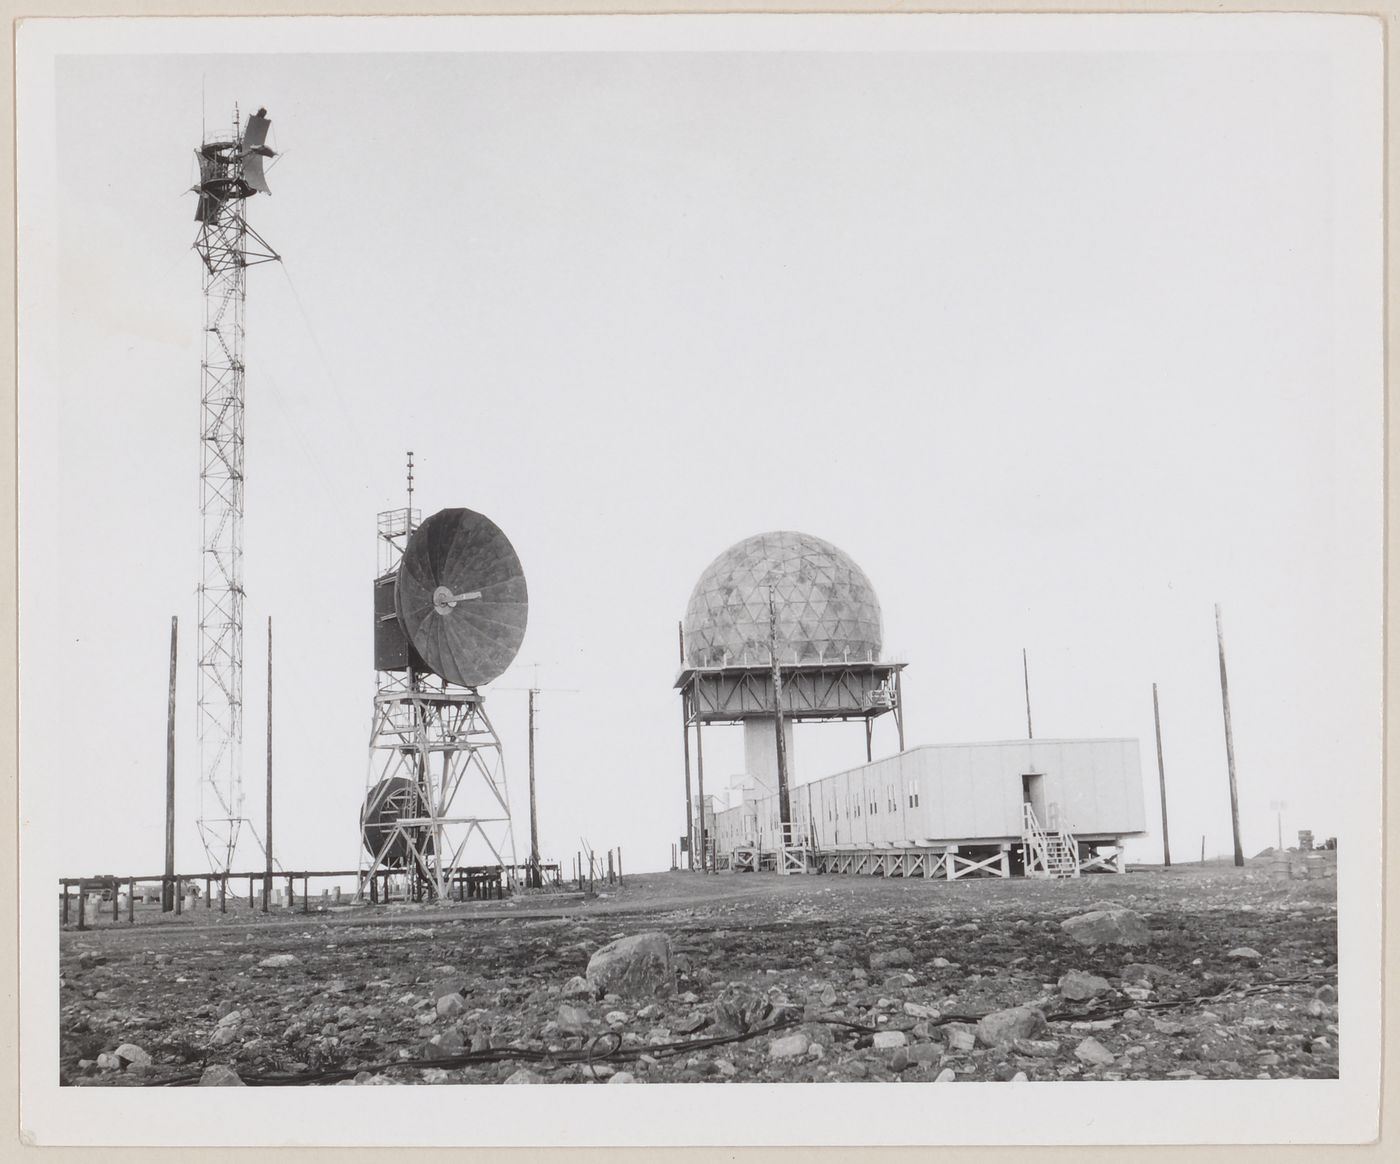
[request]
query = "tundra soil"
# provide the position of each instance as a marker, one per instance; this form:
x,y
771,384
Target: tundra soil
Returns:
x,y
799,979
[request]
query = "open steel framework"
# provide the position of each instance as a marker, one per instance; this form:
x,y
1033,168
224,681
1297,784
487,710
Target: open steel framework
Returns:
x,y
230,172
821,692
441,740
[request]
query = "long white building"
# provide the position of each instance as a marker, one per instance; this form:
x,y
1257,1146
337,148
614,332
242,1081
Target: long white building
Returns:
x,y
953,809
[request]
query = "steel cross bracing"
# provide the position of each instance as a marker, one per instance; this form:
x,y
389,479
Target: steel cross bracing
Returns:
x,y
227,245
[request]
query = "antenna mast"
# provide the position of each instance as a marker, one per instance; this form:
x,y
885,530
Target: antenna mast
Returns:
x,y
230,172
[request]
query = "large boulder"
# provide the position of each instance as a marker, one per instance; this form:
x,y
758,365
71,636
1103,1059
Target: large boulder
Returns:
x,y
133,1055
1108,927
1003,1027
636,966
1077,986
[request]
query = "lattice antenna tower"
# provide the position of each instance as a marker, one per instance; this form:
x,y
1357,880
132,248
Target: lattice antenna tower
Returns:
x,y
231,170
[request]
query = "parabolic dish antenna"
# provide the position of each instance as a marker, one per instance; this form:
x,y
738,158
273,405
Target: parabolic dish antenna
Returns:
x,y
461,597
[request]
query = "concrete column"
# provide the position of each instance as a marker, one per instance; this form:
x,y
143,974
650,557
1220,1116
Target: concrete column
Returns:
x,y
761,752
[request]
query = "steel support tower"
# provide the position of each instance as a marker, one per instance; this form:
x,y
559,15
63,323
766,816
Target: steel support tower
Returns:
x,y
230,172
434,753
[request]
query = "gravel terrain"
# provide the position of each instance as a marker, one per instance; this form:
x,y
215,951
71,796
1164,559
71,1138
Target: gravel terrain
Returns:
x,y
798,979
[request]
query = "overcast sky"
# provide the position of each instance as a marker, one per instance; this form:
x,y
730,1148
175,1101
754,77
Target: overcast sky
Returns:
x,y
1063,348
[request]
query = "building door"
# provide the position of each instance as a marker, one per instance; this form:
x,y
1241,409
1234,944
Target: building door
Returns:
x,y
1033,793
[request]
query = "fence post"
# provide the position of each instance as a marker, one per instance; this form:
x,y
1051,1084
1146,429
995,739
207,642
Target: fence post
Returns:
x,y
65,903
82,905
131,900
179,895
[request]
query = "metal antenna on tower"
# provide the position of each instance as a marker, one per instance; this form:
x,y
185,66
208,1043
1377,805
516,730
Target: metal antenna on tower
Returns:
x,y
410,480
230,172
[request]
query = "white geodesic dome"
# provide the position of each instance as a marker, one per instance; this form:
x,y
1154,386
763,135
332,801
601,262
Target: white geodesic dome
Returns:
x,y
826,608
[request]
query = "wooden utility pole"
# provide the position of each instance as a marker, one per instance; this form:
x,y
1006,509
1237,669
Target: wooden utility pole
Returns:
x,y
899,708
267,872
784,808
1161,780
533,875
1229,742
1026,675
167,893
700,778
685,736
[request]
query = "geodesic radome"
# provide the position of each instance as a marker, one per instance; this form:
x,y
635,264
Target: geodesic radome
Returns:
x,y
827,609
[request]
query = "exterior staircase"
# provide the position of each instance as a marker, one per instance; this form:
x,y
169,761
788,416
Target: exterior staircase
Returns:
x,y
1050,851
797,854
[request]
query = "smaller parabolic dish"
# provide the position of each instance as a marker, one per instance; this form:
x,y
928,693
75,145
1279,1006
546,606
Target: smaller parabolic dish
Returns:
x,y
390,800
461,597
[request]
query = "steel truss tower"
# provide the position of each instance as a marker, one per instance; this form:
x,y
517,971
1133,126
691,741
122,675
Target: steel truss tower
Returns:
x,y
436,767
230,172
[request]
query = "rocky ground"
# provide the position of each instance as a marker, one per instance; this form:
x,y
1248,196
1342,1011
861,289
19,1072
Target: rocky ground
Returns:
x,y
771,980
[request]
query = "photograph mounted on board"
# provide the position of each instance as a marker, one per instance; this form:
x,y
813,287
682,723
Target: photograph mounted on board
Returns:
x,y
910,416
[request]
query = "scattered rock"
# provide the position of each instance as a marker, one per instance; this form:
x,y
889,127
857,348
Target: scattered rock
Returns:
x,y
1002,1027
899,956
577,987
220,1075
1244,954
960,1036
918,1010
1041,1048
940,963
947,1075
789,1046
1077,986
450,1005
887,1039
638,965
1144,972
620,1077
450,1043
1020,1077
132,1055
1327,994
573,1019
278,961
525,1075
1108,927
1094,1053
